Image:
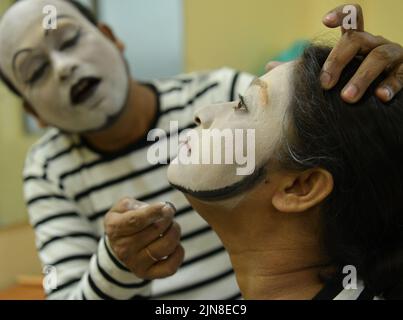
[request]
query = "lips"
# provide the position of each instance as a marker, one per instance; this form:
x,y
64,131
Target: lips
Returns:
x,y
84,89
186,144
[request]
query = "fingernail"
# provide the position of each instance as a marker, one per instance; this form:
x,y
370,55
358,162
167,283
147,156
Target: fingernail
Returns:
x,y
350,92
331,17
386,92
325,79
140,205
134,204
127,204
168,208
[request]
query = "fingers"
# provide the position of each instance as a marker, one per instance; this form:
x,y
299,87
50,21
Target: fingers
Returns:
x,y
145,238
272,64
152,233
128,248
378,60
391,85
350,44
167,267
126,204
122,205
137,220
382,56
120,225
166,245
157,253
335,18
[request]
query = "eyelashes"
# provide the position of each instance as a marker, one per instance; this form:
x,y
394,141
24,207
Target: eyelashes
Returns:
x,y
71,42
241,105
37,74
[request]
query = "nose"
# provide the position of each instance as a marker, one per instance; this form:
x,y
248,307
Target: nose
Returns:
x,y
205,116
64,67
66,72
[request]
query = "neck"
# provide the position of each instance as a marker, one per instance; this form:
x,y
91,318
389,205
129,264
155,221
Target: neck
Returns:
x,y
274,255
133,123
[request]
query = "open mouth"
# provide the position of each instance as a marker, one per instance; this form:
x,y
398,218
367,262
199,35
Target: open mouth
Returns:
x,y
84,89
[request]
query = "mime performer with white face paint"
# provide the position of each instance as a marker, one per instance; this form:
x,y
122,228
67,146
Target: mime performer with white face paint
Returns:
x,y
83,176
322,209
102,213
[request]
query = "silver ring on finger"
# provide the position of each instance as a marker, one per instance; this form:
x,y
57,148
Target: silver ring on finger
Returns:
x,y
151,256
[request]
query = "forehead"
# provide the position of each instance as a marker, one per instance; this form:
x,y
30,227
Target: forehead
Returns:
x,y
279,76
22,23
28,15
277,84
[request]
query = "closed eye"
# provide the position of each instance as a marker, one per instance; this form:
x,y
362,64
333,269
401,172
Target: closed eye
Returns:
x,y
38,73
71,42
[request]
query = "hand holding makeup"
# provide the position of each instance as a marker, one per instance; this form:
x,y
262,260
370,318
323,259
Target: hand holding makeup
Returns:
x,y
381,54
145,238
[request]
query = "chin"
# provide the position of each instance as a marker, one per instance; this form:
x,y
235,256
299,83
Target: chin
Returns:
x,y
218,194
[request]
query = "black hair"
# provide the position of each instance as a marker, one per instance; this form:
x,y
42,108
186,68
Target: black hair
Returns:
x,y
85,11
361,145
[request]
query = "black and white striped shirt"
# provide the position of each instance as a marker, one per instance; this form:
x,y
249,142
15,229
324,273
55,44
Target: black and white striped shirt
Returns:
x,y
69,186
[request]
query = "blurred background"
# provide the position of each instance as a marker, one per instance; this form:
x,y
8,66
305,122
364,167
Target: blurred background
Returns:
x,y
163,38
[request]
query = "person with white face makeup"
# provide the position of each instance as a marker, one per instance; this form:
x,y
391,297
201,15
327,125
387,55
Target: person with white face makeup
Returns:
x,y
81,179
76,93
75,80
320,217
325,198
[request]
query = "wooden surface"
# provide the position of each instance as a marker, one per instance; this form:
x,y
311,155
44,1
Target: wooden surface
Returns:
x,y
27,288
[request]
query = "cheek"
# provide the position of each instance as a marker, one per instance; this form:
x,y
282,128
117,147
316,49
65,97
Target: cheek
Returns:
x,y
45,97
268,137
233,119
94,43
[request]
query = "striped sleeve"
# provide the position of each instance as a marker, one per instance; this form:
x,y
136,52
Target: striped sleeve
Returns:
x,y
83,264
240,81
233,83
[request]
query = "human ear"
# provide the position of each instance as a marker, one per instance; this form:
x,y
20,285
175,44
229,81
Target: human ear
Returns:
x,y
29,109
107,32
298,192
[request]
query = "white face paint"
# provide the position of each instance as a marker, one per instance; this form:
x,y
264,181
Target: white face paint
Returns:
x,y
267,101
74,77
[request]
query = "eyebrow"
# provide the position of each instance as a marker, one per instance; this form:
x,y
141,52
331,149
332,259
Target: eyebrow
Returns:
x,y
59,17
260,83
16,56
